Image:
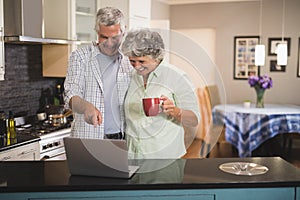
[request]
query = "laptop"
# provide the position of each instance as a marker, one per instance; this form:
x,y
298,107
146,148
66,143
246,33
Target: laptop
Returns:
x,y
98,157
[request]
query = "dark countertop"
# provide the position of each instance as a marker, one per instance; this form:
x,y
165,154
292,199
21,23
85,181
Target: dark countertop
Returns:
x,y
34,176
20,140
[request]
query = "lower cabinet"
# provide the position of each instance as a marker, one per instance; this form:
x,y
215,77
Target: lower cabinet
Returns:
x,y
288,193
29,151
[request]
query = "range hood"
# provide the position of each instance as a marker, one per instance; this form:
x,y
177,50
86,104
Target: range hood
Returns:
x,y
27,21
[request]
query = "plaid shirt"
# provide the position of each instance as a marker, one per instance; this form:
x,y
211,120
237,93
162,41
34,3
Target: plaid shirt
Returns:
x,y
84,80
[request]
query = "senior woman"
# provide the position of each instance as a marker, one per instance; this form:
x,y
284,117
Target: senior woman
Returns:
x,y
160,136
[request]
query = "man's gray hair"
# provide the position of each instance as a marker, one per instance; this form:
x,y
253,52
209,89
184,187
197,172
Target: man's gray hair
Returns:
x,y
109,16
143,42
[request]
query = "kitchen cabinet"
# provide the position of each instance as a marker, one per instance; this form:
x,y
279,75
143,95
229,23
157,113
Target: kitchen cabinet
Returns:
x,y
85,15
49,23
77,24
2,66
29,151
58,25
137,12
57,19
205,194
55,59
286,193
80,18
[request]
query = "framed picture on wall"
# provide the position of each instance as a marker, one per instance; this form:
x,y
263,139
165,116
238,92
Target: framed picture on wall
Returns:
x,y
276,68
298,68
273,42
244,55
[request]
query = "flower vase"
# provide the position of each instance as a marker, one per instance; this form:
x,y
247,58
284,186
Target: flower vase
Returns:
x,y
260,97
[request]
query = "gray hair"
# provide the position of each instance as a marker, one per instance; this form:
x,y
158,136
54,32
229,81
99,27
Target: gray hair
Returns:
x,y
109,16
143,42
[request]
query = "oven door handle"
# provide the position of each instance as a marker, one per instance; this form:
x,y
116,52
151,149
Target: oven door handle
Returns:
x,y
45,158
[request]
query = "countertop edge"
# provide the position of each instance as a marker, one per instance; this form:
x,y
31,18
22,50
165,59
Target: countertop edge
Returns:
x,y
149,187
34,139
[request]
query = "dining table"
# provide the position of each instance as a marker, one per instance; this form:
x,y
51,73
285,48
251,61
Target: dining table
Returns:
x,y
246,128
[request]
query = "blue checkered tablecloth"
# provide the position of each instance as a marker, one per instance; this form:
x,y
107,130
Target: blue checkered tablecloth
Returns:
x,y
247,128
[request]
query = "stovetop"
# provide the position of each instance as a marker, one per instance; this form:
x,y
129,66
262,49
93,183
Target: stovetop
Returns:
x,y
39,129
34,130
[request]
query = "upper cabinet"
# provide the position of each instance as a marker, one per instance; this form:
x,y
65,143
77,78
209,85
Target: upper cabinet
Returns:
x,y
58,23
82,16
55,59
64,20
76,23
2,66
57,19
85,16
38,21
140,9
137,12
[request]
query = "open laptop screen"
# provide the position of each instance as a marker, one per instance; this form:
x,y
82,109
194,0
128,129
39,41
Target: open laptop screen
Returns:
x,y
96,157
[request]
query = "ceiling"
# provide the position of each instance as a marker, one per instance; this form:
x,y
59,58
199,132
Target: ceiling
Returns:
x,y
177,2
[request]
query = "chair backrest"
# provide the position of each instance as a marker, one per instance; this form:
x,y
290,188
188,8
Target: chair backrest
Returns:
x,y
214,95
205,111
194,136
208,97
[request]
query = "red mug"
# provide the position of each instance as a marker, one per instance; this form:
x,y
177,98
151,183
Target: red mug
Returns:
x,y
152,106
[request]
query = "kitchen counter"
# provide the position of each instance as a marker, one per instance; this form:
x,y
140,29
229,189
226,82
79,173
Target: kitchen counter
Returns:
x,y
6,144
38,179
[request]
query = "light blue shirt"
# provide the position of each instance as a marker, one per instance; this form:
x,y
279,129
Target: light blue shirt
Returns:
x,y
109,69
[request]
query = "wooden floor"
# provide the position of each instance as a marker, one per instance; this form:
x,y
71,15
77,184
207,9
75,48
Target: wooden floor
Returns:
x,y
225,150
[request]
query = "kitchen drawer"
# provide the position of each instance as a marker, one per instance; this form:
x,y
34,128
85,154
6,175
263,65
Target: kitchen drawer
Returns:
x,y
29,151
286,193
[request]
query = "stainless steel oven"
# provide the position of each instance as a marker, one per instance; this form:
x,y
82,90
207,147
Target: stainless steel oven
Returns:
x,y
51,137
52,145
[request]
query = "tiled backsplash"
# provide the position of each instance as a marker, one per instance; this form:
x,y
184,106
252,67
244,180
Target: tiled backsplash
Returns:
x,y
21,89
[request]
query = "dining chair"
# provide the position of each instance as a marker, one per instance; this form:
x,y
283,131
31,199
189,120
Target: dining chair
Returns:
x,y
204,129
289,140
216,133
200,140
214,97
194,137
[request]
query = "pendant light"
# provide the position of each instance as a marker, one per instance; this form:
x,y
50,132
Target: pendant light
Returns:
x,y
260,48
282,52
260,55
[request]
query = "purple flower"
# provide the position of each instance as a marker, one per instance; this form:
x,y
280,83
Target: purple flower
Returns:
x,y
260,82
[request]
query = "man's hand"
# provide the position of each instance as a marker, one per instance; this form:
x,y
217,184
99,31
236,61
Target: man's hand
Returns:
x,y
91,114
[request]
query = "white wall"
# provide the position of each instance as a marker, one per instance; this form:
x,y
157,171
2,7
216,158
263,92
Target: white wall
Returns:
x,y
205,39
159,10
242,19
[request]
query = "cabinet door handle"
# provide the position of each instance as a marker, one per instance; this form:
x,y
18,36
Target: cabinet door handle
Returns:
x,y
140,16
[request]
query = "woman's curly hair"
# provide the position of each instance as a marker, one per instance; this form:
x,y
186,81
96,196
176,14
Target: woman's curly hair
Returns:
x,y
143,42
